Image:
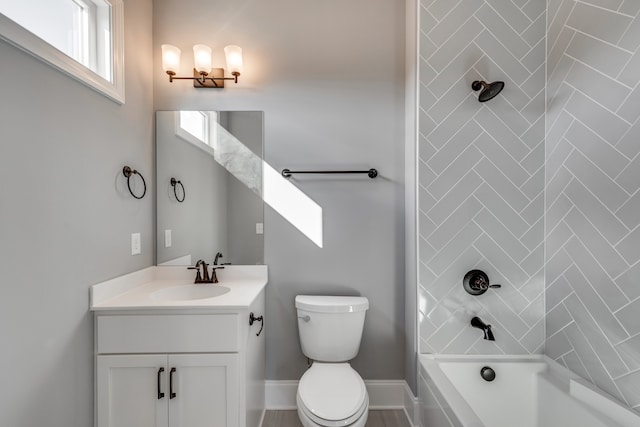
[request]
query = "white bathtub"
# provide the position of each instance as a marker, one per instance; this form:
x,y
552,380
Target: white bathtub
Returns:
x,y
528,391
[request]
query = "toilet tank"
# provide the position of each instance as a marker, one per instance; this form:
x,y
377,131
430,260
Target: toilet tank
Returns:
x,y
330,327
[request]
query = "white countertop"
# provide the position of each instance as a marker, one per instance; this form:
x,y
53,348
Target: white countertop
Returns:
x,y
133,291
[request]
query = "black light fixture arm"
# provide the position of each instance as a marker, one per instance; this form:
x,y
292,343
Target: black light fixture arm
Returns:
x,y
202,78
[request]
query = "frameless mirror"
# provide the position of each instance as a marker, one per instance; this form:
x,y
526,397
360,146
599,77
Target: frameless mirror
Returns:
x,y
209,187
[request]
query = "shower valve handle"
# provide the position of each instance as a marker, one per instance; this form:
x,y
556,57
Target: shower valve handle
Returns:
x,y
476,282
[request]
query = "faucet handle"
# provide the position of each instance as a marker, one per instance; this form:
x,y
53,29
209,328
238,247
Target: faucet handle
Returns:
x,y
198,276
476,282
214,276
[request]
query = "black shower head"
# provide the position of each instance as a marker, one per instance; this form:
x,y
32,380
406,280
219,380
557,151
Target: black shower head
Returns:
x,y
489,90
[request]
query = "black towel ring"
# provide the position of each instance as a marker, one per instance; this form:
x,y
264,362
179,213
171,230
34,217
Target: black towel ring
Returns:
x,y
127,171
174,184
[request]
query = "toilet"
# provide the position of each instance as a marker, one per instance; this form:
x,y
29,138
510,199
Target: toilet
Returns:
x,y
331,393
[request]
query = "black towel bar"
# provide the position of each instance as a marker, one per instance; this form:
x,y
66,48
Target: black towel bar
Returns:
x,y
372,173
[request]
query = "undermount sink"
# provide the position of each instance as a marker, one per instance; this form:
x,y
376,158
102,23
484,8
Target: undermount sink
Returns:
x,y
189,292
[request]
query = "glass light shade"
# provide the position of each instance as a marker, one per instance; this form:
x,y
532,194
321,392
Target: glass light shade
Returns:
x,y
202,58
234,59
170,58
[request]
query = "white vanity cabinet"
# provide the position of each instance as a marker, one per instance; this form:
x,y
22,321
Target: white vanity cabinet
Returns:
x,y
179,366
175,390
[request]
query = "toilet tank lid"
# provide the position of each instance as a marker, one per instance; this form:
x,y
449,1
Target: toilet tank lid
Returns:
x,y
331,304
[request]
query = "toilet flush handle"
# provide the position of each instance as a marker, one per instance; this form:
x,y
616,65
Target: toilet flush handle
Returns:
x,y
305,318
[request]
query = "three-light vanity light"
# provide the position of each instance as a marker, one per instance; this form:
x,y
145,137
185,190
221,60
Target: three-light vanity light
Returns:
x,y
204,76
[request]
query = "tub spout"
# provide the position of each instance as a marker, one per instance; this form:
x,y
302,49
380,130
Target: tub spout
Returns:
x,y
488,334
476,322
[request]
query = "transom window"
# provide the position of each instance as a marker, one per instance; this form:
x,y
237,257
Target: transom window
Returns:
x,y
86,32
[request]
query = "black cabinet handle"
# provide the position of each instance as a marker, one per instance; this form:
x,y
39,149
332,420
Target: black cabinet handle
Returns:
x,y
171,393
160,393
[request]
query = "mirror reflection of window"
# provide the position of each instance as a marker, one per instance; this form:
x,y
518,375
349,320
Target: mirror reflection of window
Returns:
x,y
202,125
196,124
81,29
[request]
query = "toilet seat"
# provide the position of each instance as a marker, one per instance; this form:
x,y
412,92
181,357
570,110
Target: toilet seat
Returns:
x,y
359,419
332,394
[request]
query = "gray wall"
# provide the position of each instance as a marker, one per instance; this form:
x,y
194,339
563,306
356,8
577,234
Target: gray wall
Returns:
x,y
329,76
66,221
481,175
593,203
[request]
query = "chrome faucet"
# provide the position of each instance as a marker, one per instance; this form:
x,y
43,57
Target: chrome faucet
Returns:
x,y
476,322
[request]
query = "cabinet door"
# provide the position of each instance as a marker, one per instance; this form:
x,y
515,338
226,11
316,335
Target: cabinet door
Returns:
x,y
127,391
206,390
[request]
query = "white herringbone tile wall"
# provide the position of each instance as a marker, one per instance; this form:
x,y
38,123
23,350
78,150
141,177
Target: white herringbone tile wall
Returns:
x,y
481,174
593,202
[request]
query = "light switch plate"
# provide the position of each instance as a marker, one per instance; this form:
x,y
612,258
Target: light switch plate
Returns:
x,y
167,238
259,228
135,244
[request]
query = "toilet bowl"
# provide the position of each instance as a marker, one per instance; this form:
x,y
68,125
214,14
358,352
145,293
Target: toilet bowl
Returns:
x,y
331,393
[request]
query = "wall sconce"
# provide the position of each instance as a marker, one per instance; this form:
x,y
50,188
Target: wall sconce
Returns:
x,y
203,75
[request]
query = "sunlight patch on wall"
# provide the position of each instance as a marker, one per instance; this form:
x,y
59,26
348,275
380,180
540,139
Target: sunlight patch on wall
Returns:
x,y
294,206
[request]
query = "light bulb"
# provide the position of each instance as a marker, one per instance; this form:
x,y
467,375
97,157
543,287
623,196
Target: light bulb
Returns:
x,y
202,58
170,58
234,59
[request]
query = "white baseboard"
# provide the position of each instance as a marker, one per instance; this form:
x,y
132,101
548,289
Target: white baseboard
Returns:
x,y
386,394
411,406
280,395
383,394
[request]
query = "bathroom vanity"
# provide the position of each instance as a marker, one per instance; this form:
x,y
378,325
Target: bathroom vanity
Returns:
x,y
173,354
